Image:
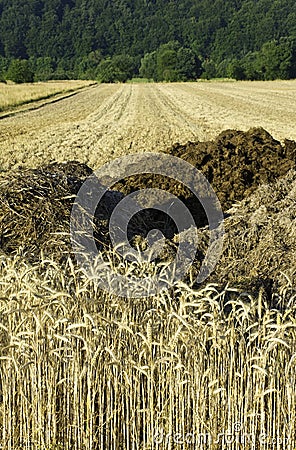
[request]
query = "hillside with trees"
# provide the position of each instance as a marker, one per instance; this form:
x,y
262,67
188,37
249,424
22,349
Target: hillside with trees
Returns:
x,y
163,40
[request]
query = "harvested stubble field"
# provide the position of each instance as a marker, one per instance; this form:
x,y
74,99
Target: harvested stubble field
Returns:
x,y
106,121
210,366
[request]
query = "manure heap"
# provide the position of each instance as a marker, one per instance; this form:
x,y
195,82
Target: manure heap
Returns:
x,y
252,174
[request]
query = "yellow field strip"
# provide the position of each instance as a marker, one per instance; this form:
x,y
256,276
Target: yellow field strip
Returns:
x,y
15,98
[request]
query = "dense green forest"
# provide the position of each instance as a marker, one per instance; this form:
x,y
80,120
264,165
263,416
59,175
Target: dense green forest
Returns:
x,y
157,39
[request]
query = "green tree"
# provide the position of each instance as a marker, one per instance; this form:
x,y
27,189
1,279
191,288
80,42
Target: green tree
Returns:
x,y
188,64
86,68
171,62
148,68
14,27
64,69
43,68
276,59
166,62
4,64
252,66
120,68
235,69
209,69
218,31
107,72
126,67
20,71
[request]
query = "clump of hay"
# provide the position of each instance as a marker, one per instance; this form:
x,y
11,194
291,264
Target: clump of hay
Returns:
x,y
35,206
259,248
260,240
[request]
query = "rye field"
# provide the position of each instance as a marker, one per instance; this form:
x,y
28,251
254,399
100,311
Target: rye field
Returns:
x,y
209,365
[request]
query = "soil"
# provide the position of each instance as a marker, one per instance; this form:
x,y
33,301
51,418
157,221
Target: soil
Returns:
x,y
237,162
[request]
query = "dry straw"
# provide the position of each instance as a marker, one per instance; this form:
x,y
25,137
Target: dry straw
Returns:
x,y
82,369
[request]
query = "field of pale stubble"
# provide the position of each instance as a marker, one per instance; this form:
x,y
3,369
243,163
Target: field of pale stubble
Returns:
x,y
105,121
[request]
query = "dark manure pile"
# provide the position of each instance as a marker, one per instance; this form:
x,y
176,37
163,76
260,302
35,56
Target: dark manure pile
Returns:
x,y
252,174
237,162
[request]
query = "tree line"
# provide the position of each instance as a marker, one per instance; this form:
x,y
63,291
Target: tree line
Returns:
x,y
161,40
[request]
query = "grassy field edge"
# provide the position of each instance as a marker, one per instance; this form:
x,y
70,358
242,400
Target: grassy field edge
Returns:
x,y
34,103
